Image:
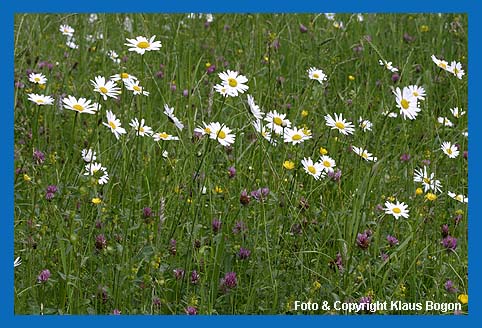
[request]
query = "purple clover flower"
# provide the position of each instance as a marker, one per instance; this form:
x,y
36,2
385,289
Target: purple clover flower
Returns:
x,y
450,243
43,276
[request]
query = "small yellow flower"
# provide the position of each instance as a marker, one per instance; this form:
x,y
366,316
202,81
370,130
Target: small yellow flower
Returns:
x,y
304,113
351,78
316,285
177,190
463,298
189,200
41,86
418,191
218,190
27,178
289,165
266,58
96,200
424,28
459,212
208,64
240,51
431,197
323,151
391,198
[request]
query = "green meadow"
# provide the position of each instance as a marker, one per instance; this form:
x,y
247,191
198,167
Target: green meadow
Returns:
x,y
236,221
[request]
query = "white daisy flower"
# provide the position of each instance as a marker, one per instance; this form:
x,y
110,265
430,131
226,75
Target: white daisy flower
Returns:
x,y
328,163
140,44
428,181
163,136
407,103
125,77
339,124
224,90
295,135
316,74
449,149
314,169
255,110
456,69
114,124
461,198
38,78
40,100
365,125
388,65
222,134
417,92
133,85
66,30
71,44
265,133
363,153
169,111
204,130
89,155
445,121
456,112
330,16
233,82
81,105
97,170
440,63
140,128
106,89
277,122
397,210
113,56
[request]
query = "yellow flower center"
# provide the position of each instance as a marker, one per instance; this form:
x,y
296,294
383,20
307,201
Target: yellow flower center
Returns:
x,y
103,89
277,121
40,101
141,129
316,76
136,88
112,125
443,65
124,75
449,151
221,134
426,180
415,94
396,210
143,45
37,79
296,137
311,169
456,71
207,130
232,82
459,198
326,163
340,125
405,104
364,155
163,135
78,107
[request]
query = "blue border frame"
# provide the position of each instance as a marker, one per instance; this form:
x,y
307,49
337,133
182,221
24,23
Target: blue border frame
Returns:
x,y
7,11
